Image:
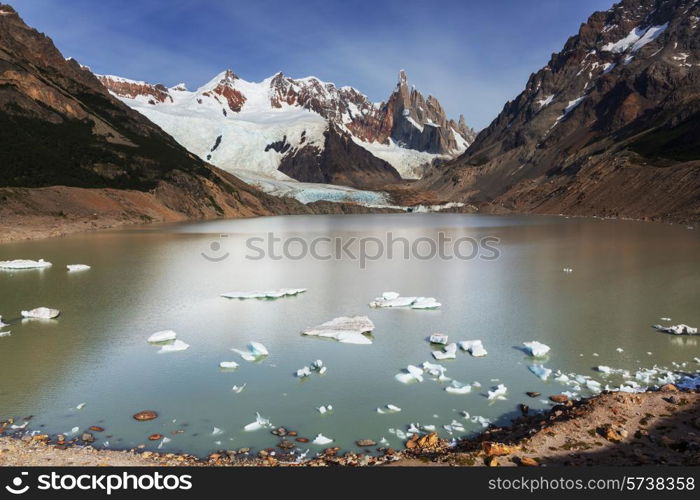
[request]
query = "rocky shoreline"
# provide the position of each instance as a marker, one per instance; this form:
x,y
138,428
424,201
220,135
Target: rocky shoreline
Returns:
x,y
614,428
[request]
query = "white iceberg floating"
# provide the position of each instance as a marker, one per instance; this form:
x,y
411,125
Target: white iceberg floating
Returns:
x,y
80,406
238,388
322,440
176,346
568,270
541,372
393,408
317,365
474,347
217,432
303,372
41,313
163,441
438,338
457,388
536,349
499,392
344,329
323,409
77,267
410,374
162,336
393,299
228,365
435,370
264,294
5,334
24,264
680,329
448,352
255,352
260,423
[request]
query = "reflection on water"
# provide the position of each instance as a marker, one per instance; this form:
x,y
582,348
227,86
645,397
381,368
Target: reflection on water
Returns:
x,y
626,275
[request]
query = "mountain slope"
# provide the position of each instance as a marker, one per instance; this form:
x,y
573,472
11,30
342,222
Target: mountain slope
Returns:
x,y
60,127
608,127
304,128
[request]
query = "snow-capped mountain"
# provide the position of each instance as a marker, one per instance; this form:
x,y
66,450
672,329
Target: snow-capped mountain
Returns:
x,y
303,129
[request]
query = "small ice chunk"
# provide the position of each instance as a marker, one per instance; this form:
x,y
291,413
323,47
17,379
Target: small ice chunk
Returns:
x,y
390,295
24,264
5,334
410,374
344,329
80,406
619,349
322,440
259,423
217,432
162,336
393,408
303,372
474,347
164,441
318,364
77,267
448,352
323,409
426,303
536,349
393,299
679,329
665,319
41,313
322,370
176,346
438,338
499,392
228,365
264,294
255,352
604,369
541,372
238,388
457,388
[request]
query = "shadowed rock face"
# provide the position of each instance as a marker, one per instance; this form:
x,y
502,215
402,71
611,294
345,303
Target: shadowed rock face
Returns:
x,y
59,126
608,127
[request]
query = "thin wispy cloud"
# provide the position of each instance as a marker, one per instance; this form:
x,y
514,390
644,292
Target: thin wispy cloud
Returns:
x,y
473,56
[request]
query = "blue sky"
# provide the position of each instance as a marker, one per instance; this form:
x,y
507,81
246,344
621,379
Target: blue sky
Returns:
x,y
472,55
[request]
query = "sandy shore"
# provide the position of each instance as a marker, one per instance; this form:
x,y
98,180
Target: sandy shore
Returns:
x,y
661,427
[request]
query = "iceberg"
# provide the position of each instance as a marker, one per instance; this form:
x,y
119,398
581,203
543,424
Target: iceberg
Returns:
x,y
162,336
393,299
457,388
393,408
317,365
344,329
448,352
255,352
434,370
217,432
259,423
680,329
24,264
474,347
238,388
438,338
77,267
41,313
228,365
410,374
323,409
5,334
176,346
264,294
80,406
499,392
163,441
322,440
541,372
303,372
536,349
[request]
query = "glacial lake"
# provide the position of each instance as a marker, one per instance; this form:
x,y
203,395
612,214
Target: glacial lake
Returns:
x,y
625,277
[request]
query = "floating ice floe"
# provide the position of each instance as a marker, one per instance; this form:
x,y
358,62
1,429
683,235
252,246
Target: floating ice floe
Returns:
x,y
24,264
457,388
322,440
410,374
393,299
176,346
255,352
228,365
41,313
536,349
16,427
680,329
619,349
435,370
264,294
260,423
164,441
448,352
665,319
541,372
77,267
568,270
217,432
162,336
323,409
499,392
238,388
8,333
438,338
80,406
303,372
474,347
348,330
